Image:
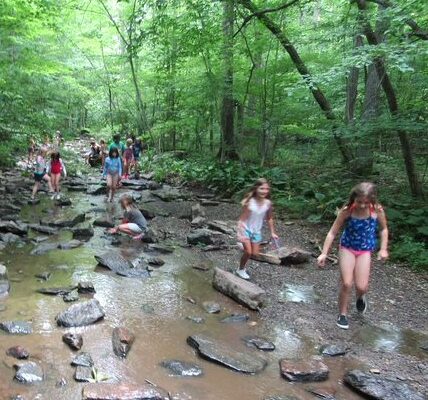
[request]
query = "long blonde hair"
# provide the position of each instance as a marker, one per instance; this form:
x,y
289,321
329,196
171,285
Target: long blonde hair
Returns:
x,y
252,192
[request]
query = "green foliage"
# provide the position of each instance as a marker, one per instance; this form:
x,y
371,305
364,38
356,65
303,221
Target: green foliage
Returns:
x,y
411,252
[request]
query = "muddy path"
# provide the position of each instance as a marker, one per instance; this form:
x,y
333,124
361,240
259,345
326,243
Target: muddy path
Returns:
x,y
163,310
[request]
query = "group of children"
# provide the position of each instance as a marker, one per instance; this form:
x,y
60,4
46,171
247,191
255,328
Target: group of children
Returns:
x,y
362,216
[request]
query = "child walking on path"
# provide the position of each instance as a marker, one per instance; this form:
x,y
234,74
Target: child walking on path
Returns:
x,y
133,223
55,168
112,171
128,158
40,173
361,217
256,208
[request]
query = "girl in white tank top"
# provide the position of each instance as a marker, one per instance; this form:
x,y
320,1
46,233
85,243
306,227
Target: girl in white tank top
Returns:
x,y
257,207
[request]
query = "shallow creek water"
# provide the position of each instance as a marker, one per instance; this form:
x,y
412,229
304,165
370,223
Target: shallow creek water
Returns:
x,y
155,310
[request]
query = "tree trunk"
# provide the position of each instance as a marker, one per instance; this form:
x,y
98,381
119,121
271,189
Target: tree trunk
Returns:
x,y
228,104
412,176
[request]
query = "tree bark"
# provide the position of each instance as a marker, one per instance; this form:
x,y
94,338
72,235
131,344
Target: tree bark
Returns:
x,y
228,104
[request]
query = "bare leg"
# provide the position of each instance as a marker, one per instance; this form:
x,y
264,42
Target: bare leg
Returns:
x,y
362,274
35,189
347,266
109,187
246,255
47,178
115,179
124,228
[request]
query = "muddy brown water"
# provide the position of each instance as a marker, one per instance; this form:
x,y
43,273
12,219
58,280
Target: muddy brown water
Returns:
x,y
154,309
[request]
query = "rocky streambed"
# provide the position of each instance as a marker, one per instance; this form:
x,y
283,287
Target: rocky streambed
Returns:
x,y
88,315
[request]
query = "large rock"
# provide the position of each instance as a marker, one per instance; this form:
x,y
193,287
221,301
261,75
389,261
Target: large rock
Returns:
x,y
4,281
285,256
28,372
66,222
122,340
104,223
226,355
18,228
201,236
168,193
123,391
83,232
116,263
182,368
81,314
244,292
16,327
311,370
376,387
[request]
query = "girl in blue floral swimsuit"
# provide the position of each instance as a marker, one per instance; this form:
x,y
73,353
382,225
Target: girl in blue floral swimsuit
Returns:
x,y
361,216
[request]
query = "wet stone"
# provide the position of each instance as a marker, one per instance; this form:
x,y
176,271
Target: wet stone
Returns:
x,y
150,236
311,370
96,190
182,368
81,314
28,372
114,261
63,202
377,387
4,281
122,340
83,374
16,327
161,248
224,354
123,391
196,320
259,343
71,297
43,229
325,392
71,244
43,248
83,233
18,352
200,236
333,350
73,340
211,307
82,360
235,319
56,291
44,276
155,261
85,287
104,223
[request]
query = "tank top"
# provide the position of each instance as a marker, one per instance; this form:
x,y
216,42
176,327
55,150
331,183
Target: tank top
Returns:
x,y
56,166
254,223
360,234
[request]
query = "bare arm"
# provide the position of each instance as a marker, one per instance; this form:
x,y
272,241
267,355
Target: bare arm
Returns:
x,y
335,228
383,251
269,218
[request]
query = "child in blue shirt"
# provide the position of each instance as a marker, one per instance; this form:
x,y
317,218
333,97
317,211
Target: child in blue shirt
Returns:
x,y
112,171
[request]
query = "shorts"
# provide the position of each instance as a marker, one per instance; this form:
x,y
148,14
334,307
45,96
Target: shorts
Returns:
x,y
356,253
38,177
253,237
134,228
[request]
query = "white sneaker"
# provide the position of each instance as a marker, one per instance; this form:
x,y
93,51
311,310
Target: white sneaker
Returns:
x,y
58,196
53,196
242,273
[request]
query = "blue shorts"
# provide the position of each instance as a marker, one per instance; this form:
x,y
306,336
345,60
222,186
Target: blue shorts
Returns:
x,y
253,237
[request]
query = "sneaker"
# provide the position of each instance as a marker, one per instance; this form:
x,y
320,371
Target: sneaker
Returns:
x,y
242,273
361,304
342,321
58,196
53,196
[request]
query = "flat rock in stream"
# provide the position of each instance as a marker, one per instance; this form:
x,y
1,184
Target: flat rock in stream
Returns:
x,y
221,226
113,261
83,374
161,248
181,368
310,370
81,314
48,230
211,307
66,222
96,190
4,281
224,354
122,339
56,291
258,343
334,350
17,228
235,319
28,372
377,387
285,256
86,287
123,391
16,327
82,360
244,292
71,297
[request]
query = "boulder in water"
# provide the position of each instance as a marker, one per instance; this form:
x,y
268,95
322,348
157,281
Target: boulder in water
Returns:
x,y
122,340
16,227
83,233
73,340
235,318
311,370
82,360
72,296
81,314
182,368
18,352
377,387
333,350
16,327
28,372
226,355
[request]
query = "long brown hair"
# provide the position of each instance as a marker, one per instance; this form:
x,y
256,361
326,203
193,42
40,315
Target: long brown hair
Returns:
x,y
127,200
252,192
363,189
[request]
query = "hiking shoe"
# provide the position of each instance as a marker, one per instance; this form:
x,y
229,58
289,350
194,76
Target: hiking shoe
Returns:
x,y
342,322
242,273
361,304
